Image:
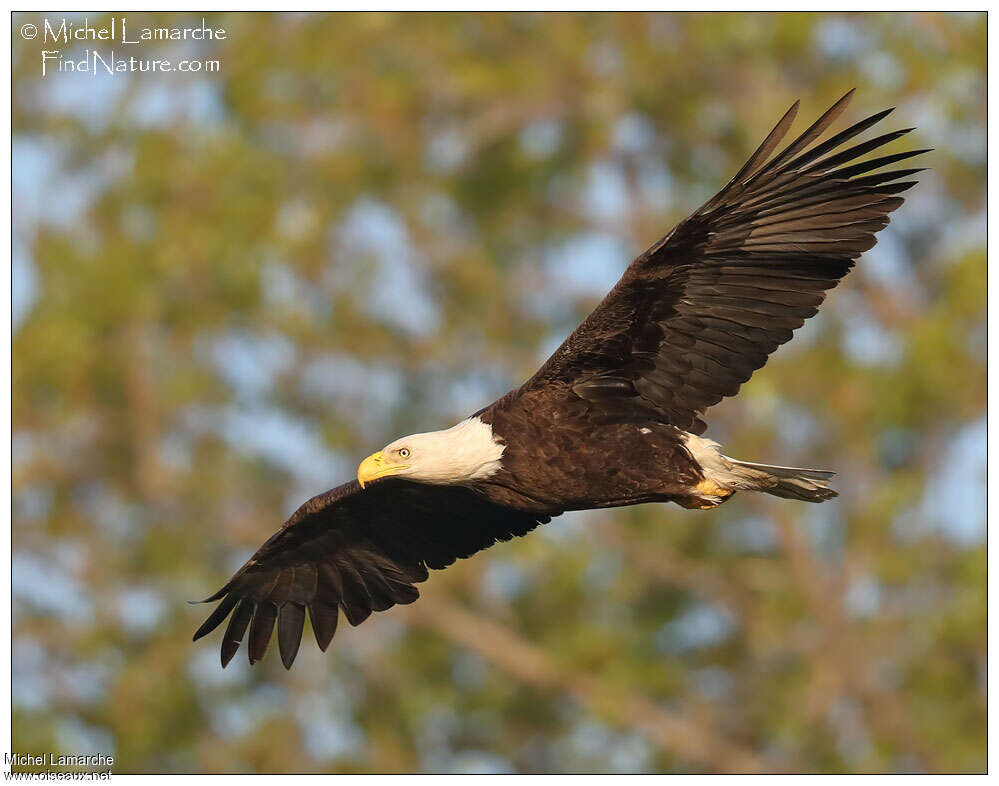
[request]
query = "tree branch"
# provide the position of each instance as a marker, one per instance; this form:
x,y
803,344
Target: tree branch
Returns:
x,y
681,736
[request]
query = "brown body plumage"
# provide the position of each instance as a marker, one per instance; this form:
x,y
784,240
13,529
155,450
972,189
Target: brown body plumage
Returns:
x,y
613,418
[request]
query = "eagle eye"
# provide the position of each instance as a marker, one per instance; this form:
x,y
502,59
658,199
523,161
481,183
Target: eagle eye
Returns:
x,y
404,453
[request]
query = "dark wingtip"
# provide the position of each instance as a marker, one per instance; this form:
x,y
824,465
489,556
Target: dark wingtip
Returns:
x,y
209,599
291,620
877,117
204,630
227,652
840,105
214,596
324,621
215,618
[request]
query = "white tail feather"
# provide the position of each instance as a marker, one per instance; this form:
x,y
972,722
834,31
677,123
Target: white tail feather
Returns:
x,y
808,485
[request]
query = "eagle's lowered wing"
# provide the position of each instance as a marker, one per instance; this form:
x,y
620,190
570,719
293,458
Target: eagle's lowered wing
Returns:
x,y
694,316
355,551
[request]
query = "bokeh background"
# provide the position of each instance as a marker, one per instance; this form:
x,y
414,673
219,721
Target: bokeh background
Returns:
x,y
230,287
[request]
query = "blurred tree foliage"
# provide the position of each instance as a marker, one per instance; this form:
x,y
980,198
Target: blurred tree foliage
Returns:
x,y
229,287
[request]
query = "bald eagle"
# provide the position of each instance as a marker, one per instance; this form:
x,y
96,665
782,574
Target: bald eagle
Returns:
x,y
613,418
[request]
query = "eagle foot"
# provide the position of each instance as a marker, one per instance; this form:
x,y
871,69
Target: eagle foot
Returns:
x,y
705,495
708,488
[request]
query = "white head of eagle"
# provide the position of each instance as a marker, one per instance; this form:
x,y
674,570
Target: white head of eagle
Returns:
x,y
460,454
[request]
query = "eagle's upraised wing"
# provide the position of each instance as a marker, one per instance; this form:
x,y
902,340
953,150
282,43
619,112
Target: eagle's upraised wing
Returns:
x,y
694,316
356,551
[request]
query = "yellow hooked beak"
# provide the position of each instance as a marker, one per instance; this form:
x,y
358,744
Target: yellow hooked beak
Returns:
x,y
376,466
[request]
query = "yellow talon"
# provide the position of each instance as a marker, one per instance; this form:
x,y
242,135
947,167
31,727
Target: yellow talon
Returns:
x,y
709,488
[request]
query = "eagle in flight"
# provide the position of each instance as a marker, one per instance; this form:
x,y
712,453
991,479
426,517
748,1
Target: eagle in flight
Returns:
x,y
613,418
